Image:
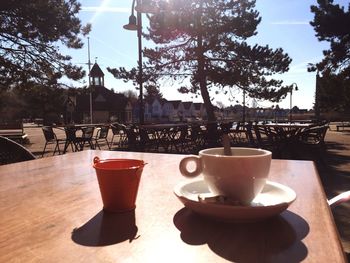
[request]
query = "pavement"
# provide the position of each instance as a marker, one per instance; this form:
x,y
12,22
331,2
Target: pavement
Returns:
x,y
333,164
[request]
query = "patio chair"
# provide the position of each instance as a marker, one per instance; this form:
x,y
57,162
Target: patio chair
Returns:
x,y
235,131
101,136
196,138
132,138
13,152
147,140
71,139
314,135
51,138
212,135
86,137
182,142
309,144
118,131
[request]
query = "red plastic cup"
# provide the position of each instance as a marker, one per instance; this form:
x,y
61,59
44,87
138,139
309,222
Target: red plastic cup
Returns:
x,y
119,181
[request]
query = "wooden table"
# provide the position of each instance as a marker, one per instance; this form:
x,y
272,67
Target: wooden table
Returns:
x,y
165,135
287,129
51,212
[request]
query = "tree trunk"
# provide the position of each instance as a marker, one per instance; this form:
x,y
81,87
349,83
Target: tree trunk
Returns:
x,y
201,71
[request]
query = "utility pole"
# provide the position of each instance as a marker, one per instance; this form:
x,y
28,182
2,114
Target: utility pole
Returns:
x,y
89,65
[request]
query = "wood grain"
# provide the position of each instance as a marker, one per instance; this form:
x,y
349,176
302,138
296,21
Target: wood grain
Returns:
x,y
51,212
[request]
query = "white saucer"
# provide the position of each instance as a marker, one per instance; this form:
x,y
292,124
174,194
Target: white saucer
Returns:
x,y
273,199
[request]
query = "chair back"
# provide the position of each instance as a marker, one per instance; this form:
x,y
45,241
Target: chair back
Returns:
x,y
13,152
248,128
88,132
48,133
70,133
102,133
117,128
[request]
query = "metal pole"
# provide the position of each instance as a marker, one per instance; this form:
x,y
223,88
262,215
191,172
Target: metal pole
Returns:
x,y
243,107
89,64
317,97
139,36
290,106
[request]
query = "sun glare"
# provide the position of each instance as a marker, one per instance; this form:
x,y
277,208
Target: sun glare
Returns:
x,y
100,9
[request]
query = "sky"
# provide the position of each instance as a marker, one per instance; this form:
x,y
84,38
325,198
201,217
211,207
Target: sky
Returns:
x,y
285,24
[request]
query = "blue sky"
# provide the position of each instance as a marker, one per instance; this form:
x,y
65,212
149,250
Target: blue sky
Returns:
x,y
285,24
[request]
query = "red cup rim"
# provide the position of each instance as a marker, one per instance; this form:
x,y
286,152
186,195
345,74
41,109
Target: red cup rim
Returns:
x,y
98,161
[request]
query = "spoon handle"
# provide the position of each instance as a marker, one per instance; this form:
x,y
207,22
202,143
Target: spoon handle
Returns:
x,y
226,143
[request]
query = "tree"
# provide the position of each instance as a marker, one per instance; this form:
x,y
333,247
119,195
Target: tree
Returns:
x,y
130,95
152,92
204,42
331,23
149,80
29,36
333,93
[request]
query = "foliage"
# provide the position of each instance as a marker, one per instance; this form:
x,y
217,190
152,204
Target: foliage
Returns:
x,y
131,96
30,33
149,81
152,92
331,23
334,93
203,43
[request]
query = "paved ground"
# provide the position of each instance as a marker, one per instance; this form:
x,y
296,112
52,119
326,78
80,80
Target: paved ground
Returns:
x,y
333,165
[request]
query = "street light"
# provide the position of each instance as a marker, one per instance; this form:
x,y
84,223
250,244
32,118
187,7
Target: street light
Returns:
x,y
293,86
135,23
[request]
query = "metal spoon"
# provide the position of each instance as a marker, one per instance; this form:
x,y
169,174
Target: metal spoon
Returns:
x,y
226,143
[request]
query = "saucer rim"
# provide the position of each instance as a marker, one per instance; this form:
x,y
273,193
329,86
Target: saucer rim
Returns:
x,y
235,213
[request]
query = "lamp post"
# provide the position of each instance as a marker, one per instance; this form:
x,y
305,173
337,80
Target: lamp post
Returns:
x,y
294,86
89,65
317,97
135,24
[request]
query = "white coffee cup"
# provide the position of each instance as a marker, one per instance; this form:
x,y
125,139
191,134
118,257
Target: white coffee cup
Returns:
x,y
240,176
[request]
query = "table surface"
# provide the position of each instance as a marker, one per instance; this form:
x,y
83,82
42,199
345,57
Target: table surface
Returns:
x,y
51,212
287,125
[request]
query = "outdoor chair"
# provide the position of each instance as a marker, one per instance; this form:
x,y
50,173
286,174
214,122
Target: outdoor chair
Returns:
x,y
227,128
86,137
119,133
51,138
183,141
13,152
147,140
240,134
132,141
71,139
101,136
196,138
314,135
212,135
248,131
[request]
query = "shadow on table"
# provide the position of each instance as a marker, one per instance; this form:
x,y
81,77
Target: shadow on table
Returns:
x,y
275,240
333,168
106,229
336,180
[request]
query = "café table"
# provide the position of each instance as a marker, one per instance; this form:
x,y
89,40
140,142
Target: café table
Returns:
x,y
287,129
51,211
165,135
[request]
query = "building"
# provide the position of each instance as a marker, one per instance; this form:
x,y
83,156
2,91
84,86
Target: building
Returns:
x,y
105,105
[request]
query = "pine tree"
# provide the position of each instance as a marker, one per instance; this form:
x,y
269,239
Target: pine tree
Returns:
x,y
30,33
205,42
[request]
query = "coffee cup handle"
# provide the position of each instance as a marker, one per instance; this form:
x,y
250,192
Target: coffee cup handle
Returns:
x,y
185,161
